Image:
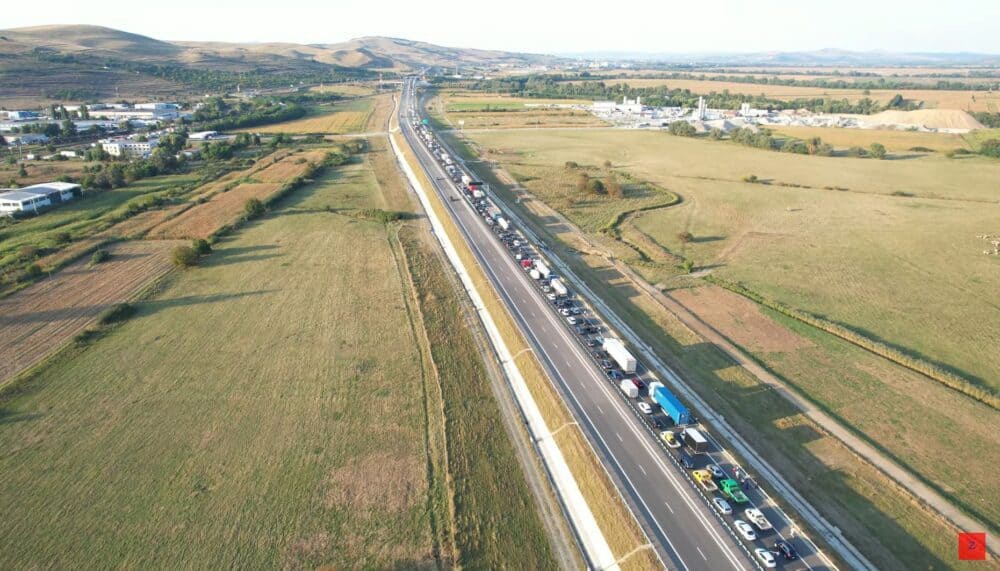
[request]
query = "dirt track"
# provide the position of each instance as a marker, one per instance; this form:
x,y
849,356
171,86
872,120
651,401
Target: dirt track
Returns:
x,y
38,320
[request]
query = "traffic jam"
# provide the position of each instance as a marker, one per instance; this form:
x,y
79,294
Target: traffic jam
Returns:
x,y
725,486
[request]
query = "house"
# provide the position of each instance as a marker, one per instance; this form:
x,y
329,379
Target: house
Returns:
x,y
37,197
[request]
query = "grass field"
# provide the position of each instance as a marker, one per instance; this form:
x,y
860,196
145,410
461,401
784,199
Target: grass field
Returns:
x,y
338,118
894,141
942,99
855,256
250,416
345,89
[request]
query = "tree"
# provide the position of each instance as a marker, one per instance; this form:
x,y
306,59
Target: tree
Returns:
x,y
715,133
857,152
100,255
571,165
877,150
184,256
896,101
68,128
21,171
612,187
253,207
596,186
607,165
201,247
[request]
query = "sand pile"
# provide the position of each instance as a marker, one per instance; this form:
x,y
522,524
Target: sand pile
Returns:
x,y
932,118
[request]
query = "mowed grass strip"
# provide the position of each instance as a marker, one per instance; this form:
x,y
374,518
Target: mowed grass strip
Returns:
x,y
249,416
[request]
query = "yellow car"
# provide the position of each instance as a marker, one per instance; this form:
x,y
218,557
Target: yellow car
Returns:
x,y
704,477
670,438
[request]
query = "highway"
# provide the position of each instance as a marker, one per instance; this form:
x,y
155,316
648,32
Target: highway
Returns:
x,y
685,531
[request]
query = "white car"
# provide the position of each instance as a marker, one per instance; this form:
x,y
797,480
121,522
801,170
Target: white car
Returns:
x,y
645,408
722,505
571,320
716,471
745,530
766,557
758,519
565,312
551,296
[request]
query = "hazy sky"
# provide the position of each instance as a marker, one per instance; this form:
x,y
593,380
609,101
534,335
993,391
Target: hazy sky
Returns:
x,y
555,27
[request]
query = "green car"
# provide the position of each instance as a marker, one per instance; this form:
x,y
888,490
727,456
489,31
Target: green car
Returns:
x,y
731,489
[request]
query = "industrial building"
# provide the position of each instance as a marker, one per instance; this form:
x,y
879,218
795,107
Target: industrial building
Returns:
x,y
37,197
128,147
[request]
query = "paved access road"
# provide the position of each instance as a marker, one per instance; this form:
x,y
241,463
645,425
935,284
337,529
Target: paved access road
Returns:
x,y
686,532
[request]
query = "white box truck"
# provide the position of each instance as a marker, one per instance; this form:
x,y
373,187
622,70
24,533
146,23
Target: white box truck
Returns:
x,y
629,388
558,286
503,222
534,274
620,354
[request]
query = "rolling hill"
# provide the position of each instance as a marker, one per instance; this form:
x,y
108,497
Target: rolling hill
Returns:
x,y
44,64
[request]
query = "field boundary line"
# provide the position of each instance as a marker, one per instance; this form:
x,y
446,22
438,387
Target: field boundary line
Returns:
x,y
595,544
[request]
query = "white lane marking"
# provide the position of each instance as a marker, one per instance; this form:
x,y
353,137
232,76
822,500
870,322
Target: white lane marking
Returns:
x,y
619,437
700,553
668,507
600,409
641,469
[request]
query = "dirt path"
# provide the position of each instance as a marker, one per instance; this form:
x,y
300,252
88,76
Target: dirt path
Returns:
x,y
40,319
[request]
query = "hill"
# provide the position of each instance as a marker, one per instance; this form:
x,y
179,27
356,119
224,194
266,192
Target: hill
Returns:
x,y
43,64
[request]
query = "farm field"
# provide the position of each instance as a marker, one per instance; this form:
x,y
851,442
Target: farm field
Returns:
x,y
817,250
894,141
36,321
348,116
345,89
479,111
40,171
198,428
226,206
940,99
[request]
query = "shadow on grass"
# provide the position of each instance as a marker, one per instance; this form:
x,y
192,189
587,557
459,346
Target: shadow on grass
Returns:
x,y
153,306
11,417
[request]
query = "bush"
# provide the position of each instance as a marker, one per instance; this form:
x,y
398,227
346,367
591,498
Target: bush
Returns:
x,y
253,207
607,164
793,146
751,178
571,165
682,129
990,148
685,237
382,216
32,271
184,256
921,150
687,266
117,314
596,186
63,238
27,252
99,255
877,151
201,247
857,152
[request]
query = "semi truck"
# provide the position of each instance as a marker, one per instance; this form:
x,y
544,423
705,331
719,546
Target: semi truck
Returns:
x,y
542,269
630,390
695,440
620,354
671,406
558,287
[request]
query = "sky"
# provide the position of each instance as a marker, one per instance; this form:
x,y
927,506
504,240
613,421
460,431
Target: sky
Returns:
x,y
542,26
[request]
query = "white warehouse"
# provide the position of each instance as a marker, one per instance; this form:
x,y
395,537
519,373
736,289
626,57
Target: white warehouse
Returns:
x,y
37,197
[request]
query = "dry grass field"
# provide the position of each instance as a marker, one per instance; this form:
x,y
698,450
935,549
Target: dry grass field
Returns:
x,y
904,269
40,171
345,89
250,416
342,117
36,321
942,99
468,110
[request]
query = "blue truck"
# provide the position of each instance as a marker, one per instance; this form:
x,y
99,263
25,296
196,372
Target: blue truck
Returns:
x,y
671,406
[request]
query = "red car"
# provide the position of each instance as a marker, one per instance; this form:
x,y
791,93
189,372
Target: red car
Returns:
x,y
638,384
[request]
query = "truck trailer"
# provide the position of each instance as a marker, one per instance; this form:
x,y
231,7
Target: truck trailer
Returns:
x,y
558,287
620,354
695,440
542,269
671,406
503,222
630,390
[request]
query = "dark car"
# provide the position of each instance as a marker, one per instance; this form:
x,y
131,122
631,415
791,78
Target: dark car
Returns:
x,y
658,423
591,342
785,549
606,365
687,463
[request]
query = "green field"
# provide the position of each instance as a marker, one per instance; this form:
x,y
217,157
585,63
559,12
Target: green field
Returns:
x,y
253,415
903,269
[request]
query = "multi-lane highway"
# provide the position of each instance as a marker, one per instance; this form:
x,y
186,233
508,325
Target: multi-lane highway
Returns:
x,y
685,530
